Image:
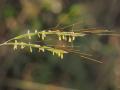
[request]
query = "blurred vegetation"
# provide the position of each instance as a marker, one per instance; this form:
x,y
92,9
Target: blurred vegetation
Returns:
x,y
22,70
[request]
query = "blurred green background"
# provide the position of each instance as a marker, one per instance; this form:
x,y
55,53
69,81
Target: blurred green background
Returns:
x,y
22,70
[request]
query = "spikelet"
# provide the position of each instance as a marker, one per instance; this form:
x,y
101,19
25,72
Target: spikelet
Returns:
x,y
29,34
15,45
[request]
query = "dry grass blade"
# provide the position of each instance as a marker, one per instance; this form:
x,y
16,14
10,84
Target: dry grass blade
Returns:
x,y
91,59
84,55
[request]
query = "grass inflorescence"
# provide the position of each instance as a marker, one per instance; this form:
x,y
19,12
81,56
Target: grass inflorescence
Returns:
x,y
61,35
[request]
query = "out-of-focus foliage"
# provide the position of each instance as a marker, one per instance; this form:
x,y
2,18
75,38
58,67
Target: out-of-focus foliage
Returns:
x,y
73,72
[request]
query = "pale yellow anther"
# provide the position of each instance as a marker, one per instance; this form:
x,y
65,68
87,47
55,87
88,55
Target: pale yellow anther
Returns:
x,y
30,48
43,49
39,35
69,40
39,49
53,53
63,37
73,38
43,35
29,34
36,31
59,37
61,56
15,45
